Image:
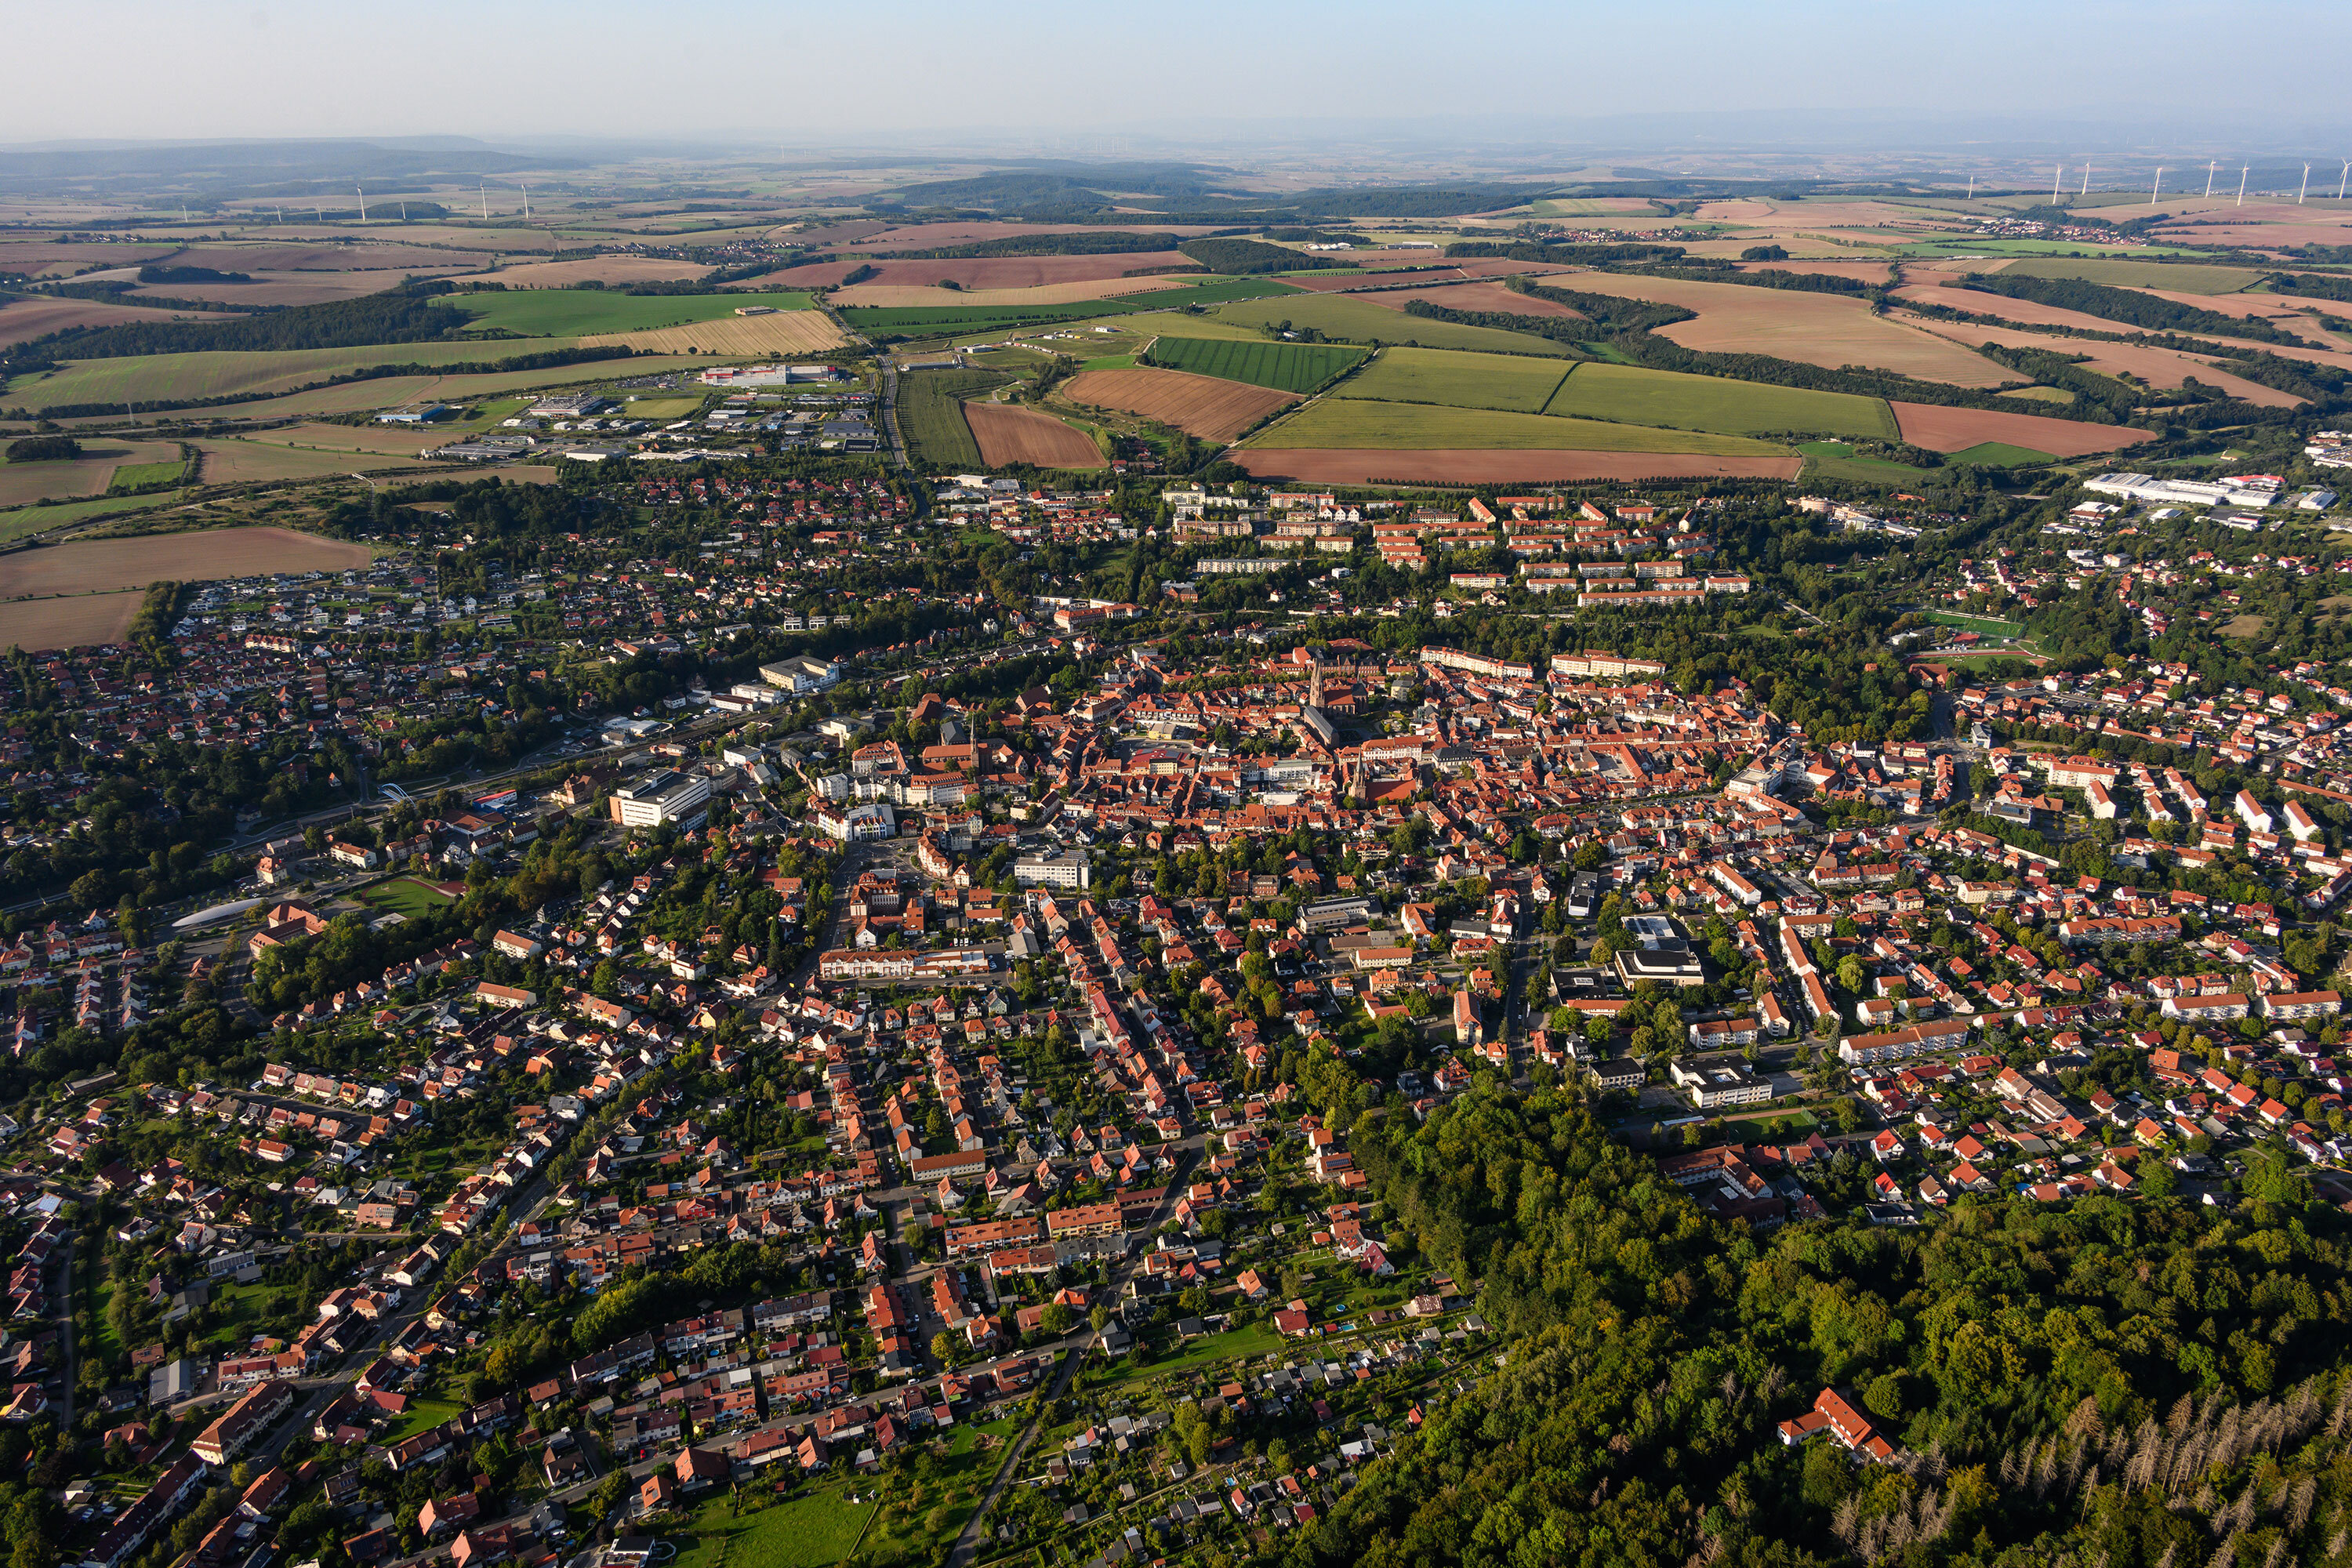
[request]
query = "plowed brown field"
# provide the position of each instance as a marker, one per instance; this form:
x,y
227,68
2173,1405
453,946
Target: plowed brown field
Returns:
x,y
2157,367
21,321
904,297
79,622
1464,465
600,268
1010,435
103,565
1941,429
1203,406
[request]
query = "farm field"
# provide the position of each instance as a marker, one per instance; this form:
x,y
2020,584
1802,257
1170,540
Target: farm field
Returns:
x,y
24,521
21,321
985,272
2178,276
1997,455
1942,429
2038,394
1476,295
377,440
93,473
233,461
913,296
2156,367
621,270
156,378
1346,316
1008,434
277,289
132,478
931,415
1812,329
391,390
1335,422
1201,406
1709,403
577,312
1283,368
786,332
1470,465
1827,267
1512,381
84,566
76,622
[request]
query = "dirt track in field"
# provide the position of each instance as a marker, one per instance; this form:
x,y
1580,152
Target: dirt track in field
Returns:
x,y
1338,466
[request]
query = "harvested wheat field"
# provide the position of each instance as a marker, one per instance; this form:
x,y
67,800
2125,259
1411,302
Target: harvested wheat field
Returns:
x,y
1470,465
81,620
1008,435
360,256
88,475
1748,209
1338,282
2260,237
2154,367
977,274
2024,312
1201,406
613,269
891,296
230,462
933,235
1942,429
1477,295
98,565
1812,329
62,259
783,332
380,440
21,321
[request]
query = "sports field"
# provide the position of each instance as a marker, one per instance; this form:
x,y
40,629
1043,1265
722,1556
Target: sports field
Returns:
x,y
1336,422
1511,382
1340,316
1983,626
1707,403
1284,367
575,312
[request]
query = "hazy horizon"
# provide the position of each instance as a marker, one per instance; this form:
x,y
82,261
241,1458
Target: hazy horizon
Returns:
x,y
902,72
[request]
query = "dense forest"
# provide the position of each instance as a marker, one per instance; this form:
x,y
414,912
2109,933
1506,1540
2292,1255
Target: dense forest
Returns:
x,y
1241,257
2146,1385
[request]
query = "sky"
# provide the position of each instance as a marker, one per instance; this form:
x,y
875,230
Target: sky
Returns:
x,y
838,73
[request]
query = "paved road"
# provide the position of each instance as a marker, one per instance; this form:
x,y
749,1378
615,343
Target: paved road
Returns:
x,y
65,1329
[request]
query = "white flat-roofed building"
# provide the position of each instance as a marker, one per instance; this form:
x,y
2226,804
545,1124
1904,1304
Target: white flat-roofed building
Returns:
x,y
665,796
2186,492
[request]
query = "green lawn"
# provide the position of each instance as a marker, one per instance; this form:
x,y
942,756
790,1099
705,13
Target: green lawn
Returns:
x,y
1997,455
421,1414
1260,362
1342,421
1110,361
1337,316
1836,460
577,312
1984,626
807,1531
1511,382
1711,403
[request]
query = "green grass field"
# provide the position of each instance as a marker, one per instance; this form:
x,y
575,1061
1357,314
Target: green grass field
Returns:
x,y
155,378
1356,422
134,477
408,896
1997,455
931,415
421,1414
1458,380
577,312
2038,395
1836,460
2184,277
1285,367
18,522
1337,316
1983,626
1110,361
664,407
808,1531
1666,398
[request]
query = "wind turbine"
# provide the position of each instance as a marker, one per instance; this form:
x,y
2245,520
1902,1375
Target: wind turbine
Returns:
x,y
486,201
526,203
2241,184
2209,180
2087,179
2306,185
2157,187
2056,175
2340,179
362,191
1972,184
